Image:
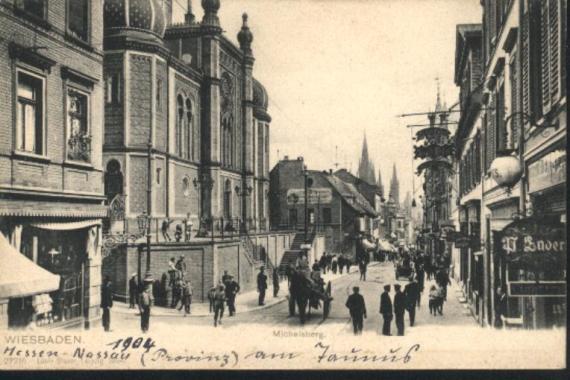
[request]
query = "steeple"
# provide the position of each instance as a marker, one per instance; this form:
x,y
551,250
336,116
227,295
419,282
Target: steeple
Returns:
x,y
245,37
211,8
380,184
438,106
365,166
395,187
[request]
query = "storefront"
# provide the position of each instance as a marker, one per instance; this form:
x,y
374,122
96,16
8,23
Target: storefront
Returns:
x,y
66,247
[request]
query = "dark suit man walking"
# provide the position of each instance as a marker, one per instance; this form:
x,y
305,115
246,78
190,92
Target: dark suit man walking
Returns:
x,y
357,308
399,309
261,285
412,293
386,310
106,302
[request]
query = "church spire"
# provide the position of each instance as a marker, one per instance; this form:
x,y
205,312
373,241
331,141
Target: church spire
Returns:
x,y
438,106
380,184
395,186
365,167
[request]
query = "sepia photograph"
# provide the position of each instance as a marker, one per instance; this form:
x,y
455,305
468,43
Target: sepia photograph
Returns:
x,y
283,185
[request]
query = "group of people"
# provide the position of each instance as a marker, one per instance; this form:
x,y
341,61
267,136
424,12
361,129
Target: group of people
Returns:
x,y
334,263
140,294
403,301
223,294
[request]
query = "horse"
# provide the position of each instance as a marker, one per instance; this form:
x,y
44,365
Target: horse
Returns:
x,y
304,298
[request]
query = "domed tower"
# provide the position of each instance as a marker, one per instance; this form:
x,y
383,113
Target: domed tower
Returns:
x,y
140,20
245,37
211,8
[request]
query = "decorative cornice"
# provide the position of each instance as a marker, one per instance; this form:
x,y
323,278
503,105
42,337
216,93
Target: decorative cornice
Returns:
x,y
76,76
29,56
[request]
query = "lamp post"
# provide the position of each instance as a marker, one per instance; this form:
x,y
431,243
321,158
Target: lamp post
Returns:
x,y
308,182
148,203
143,222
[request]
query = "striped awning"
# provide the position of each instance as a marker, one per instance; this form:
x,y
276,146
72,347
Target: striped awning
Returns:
x,y
20,276
18,207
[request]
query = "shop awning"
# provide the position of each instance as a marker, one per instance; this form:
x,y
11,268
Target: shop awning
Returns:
x,y
20,277
18,207
66,226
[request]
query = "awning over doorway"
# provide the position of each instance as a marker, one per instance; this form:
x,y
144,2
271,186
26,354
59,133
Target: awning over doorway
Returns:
x,y
29,208
19,276
66,226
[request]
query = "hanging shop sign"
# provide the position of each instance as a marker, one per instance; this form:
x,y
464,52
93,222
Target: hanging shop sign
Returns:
x,y
548,171
541,289
535,244
316,196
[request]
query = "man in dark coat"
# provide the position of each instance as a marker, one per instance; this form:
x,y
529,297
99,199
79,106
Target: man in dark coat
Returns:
x,y
399,309
145,302
107,302
275,282
420,275
357,308
442,279
261,285
500,307
412,293
386,310
133,291
232,289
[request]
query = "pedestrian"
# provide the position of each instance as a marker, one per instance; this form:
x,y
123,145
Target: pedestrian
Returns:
x,y
133,291
500,307
164,228
275,282
181,267
334,264
386,310
362,267
412,293
232,289
107,302
357,309
176,292
211,294
347,264
420,275
261,285
225,277
433,300
186,297
399,309
442,279
178,233
145,303
341,263
219,301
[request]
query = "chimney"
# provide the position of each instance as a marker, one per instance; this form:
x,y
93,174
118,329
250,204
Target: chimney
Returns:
x,y
300,158
286,158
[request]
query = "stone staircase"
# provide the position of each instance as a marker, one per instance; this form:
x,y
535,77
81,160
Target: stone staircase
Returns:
x,y
290,256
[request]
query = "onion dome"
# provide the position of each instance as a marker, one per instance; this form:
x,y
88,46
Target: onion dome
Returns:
x,y
139,19
260,102
211,8
245,37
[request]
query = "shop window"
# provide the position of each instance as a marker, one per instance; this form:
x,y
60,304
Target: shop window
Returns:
x,y
79,140
78,19
29,120
35,8
113,89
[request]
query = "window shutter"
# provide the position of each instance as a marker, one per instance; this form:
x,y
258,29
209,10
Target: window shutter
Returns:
x,y
525,53
514,121
554,49
544,57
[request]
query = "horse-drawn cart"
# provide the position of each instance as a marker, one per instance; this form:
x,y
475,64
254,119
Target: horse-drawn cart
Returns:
x,y
306,293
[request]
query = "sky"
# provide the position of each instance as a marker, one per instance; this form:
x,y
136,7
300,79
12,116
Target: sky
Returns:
x,y
337,69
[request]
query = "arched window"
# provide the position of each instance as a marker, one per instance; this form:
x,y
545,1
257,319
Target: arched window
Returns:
x,y
227,212
113,179
227,140
180,127
190,130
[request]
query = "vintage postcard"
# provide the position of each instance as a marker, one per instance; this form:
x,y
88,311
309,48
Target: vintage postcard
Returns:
x,y
283,184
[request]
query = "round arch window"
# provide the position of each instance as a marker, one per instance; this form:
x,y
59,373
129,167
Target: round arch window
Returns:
x,y
186,186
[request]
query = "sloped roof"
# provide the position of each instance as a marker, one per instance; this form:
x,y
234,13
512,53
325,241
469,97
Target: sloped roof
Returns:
x,y
351,195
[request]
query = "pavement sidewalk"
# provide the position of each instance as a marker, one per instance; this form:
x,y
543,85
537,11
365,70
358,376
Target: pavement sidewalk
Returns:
x,y
245,302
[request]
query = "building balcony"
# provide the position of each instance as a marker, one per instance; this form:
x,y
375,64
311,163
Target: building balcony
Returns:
x,y
79,148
